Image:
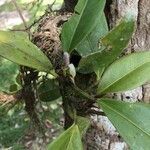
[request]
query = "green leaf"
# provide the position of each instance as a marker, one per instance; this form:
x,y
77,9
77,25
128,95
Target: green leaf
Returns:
x,y
91,43
83,124
126,73
21,51
68,140
81,23
48,90
131,120
111,47
8,76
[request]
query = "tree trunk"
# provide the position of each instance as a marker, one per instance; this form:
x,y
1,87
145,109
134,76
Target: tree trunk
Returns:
x,y
104,135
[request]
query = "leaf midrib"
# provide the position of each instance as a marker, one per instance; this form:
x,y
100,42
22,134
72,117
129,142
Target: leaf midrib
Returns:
x,y
124,117
122,77
71,137
42,64
80,16
90,44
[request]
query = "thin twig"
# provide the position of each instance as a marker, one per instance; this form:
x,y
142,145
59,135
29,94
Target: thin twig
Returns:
x,y
29,27
36,21
20,13
21,16
22,30
51,5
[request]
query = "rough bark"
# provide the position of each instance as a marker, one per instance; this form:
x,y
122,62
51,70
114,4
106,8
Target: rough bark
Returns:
x,y
104,136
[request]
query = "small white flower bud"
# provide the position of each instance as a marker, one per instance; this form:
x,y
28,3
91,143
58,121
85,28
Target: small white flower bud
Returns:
x,y
66,59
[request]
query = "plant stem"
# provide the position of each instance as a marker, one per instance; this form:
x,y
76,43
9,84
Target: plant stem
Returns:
x,y
84,94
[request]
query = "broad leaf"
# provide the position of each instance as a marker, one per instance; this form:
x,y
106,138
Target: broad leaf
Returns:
x,y
91,43
20,50
126,73
131,120
48,90
8,76
68,140
111,47
81,23
83,124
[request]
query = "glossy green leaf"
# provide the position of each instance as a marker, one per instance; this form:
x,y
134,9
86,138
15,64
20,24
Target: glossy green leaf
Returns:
x,y
8,76
21,51
126,73
48,90
91,43
81,23
131,120
83,124
68,140
111,47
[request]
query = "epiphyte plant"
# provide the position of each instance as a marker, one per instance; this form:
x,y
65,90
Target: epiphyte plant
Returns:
x,y
85,83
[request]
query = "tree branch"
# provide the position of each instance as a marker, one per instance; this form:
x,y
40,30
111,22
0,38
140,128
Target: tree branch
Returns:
x,y
20,14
